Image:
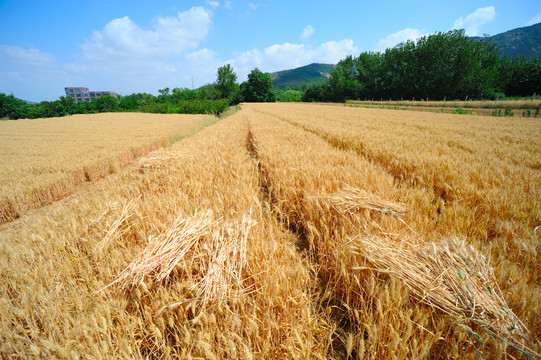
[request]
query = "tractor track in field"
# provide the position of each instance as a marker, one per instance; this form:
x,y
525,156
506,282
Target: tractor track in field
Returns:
x,y
304,247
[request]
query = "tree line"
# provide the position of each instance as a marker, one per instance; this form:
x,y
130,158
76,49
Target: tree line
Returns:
x,y
441,66
211,98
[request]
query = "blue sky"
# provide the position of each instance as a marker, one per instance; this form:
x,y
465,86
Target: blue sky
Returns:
x,y
143,46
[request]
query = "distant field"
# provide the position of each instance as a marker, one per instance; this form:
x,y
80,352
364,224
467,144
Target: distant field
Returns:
x,y
520,108
291,231
43,159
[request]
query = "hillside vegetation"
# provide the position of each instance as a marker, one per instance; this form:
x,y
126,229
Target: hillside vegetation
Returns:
x,y
521,42
302,77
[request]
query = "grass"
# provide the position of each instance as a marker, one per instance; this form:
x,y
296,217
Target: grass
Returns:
x,y
290,231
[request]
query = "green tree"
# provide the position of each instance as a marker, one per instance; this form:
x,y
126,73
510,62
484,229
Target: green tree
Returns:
x,y
226,81
130,102
520,77
184,94
258,88
343,80
68,105
165,92
105,103
13,108
368,66
209,92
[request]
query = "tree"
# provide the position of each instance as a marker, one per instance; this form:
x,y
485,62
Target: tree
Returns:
x,y
12,108
105,103
209,92
258,88
227,81
165,92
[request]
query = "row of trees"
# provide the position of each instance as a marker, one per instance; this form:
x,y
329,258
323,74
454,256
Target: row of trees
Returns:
x,y
210,99
439,66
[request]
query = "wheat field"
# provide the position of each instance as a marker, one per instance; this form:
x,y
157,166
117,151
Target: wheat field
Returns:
x,y
284,231
43,159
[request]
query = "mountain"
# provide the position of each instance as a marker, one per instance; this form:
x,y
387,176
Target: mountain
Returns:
x,y
304,76
524,41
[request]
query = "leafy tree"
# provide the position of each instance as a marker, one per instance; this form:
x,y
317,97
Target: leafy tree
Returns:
x,y
368,66
258,88
520,77
209,92
288,95
226,82
13,108
130,102
443,65
184,94
68,105
165,92
320,92
343,80
105,103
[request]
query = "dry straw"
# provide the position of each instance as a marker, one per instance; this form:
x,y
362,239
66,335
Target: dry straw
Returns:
x,y
165,251
224,250
159,159
351,200
227,261
450,276
117,227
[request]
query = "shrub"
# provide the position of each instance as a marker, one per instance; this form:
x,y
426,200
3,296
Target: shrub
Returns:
x,y
463,112
214,107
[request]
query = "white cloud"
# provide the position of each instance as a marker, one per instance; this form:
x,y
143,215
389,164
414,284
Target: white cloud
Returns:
x,y
476,19
127,58
228,5
398,37
30,73
253,6
199,66
123,40
535,20
287,56
30,56
307,32
213,4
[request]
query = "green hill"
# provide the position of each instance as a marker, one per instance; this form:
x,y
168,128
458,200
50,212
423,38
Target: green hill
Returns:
x,y
302,77
524,41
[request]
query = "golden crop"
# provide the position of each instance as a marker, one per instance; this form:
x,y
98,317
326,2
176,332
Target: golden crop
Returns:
x,y
288,231
43,159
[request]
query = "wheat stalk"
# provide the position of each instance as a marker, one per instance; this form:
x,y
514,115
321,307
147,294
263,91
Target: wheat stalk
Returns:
x,y
165,251
351,200
450,276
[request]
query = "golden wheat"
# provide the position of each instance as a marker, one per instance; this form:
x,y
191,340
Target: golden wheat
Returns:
x,y
288,231
44,159
468,199
51,271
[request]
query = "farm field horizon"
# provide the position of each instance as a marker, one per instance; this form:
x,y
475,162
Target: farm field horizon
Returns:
x,y
285,230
